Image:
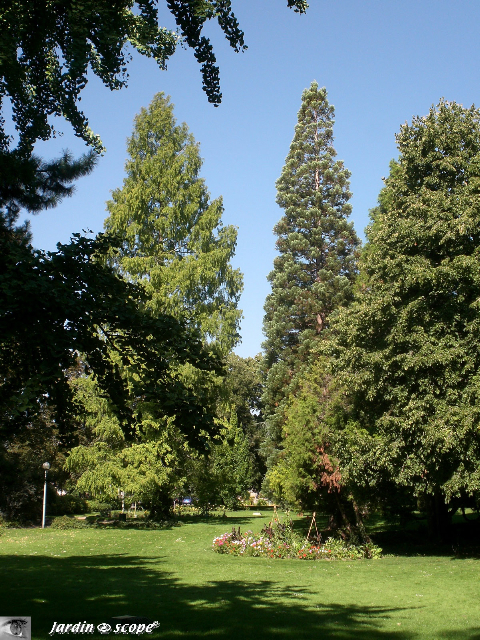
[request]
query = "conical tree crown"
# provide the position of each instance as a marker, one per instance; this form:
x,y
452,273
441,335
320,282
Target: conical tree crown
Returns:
x,y
173,238
314,271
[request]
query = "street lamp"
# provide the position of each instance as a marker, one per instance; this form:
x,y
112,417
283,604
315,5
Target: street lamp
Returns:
x,y
46,466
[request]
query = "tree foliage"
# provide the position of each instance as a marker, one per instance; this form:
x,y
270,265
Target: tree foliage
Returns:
x,y
173,247
157,465
408,345
48,52
240,399
147,468
34,184
226,473
56,305
172,239
304,468
313,274
49,49
22,454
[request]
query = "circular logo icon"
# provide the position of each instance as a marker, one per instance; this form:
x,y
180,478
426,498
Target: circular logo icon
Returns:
x,y
104,628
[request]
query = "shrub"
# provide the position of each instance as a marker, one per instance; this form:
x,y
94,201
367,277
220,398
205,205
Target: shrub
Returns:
x,y
67,522
94,506
10,524
189,510
133,524
335,549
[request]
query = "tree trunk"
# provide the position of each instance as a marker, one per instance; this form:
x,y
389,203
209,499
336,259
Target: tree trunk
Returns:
x,y
346,521
439,519
159,505
360,524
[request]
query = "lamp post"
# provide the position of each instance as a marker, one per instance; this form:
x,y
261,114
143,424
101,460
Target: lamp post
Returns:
x,y
46,466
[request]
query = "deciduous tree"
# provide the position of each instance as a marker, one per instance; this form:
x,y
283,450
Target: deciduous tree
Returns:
x,y
227,472
48,50
56,306
59,304
240,395
174,248
173,242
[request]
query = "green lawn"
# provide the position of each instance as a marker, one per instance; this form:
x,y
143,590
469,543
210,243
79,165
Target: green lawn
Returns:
x,y
173,576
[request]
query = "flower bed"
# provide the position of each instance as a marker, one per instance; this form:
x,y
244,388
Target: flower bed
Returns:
x,y
284,543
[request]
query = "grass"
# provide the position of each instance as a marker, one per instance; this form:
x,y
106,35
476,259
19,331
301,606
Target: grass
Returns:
x,y
174,577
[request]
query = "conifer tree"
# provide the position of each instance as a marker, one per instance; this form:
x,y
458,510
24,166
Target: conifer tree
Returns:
x,y
313,273
173,244
173,241
408,346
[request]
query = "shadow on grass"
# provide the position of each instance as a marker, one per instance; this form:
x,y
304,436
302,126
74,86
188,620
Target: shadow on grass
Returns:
x,y
465,542
247,519
472,634
229,521
97,588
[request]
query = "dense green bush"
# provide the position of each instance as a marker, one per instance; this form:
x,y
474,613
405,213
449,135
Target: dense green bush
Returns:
x,y
67,522
190,510
102,507
9,524
133,524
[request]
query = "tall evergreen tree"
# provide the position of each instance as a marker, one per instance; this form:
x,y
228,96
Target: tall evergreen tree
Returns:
x,y
409,349
173,246
173,241
313,273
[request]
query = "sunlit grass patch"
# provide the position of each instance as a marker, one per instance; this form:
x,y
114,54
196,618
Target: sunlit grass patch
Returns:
x,y
173,576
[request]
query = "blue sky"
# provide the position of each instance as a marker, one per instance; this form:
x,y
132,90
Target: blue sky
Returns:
x,y
381,61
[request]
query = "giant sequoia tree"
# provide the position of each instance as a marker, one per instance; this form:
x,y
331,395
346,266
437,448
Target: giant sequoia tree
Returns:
x,y
313,274
409,344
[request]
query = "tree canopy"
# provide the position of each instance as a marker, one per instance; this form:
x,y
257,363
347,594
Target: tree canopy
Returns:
x,y
66,319
56,306
48,49
173,242
314,272
409,344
